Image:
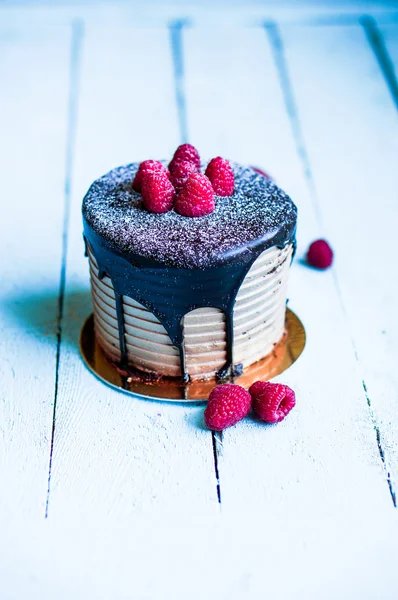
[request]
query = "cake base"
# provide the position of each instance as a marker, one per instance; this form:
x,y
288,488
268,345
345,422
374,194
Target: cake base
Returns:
x,y
173,389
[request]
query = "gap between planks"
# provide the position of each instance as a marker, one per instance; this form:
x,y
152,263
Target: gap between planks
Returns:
x,y
376,41
77,36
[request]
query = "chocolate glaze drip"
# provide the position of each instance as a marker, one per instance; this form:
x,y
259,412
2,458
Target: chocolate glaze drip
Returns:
x,y
170,293
210,277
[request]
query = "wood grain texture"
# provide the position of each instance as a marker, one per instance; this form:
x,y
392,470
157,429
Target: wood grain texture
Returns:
x,y
325,454
377,42
237,557
35,67
390,37
113,454
353,134
239,14
305,511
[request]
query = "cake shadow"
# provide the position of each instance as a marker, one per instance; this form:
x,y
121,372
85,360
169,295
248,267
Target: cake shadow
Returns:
x,y
301,260
37,313
196,418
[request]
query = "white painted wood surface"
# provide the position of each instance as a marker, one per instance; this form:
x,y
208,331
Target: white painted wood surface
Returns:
x,y
389,33
151,455
358,205
34,69
246,115
132,509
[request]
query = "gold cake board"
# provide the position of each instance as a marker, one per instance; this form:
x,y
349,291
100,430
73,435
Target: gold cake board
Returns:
x,y
173,390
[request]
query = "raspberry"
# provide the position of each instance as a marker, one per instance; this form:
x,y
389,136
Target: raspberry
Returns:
x,y
261,172
158,192
148,166
186,152
196,198
228,404
174,162
180,173
320,254
221,175
272,401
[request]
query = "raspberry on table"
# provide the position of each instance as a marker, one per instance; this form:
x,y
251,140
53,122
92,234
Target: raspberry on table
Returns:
x,y
272,401
146,167
188,153
196,198
228,403
221,176
320,254
180,173
158,193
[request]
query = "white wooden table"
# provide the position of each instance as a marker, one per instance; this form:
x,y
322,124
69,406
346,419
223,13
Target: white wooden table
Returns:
x,y
104,496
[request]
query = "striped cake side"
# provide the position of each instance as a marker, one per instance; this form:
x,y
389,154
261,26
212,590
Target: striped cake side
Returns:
x,y
259,320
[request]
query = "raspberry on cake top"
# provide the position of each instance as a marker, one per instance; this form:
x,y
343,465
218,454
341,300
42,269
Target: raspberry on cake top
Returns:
x,y
258,213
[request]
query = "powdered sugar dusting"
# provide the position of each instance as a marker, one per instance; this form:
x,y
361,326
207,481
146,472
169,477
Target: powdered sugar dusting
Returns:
x,y
257,211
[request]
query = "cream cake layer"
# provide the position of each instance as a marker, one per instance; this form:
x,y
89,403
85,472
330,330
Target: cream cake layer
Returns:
x,y
259,320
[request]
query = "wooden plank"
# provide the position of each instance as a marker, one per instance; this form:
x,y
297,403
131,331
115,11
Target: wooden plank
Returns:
x,y
350,556
219,14
326,453
390,37
34,71
114,454
353,146
103,444
380,47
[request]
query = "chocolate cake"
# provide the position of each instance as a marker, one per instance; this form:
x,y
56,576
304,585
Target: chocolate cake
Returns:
x,y
192,297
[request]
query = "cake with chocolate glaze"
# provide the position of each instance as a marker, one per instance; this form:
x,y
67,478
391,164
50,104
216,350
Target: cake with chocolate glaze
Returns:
x,y
188,296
